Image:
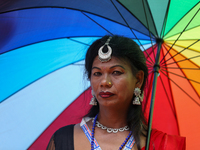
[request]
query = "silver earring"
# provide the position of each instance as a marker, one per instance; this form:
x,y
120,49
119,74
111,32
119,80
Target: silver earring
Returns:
x,y
138,99
93,99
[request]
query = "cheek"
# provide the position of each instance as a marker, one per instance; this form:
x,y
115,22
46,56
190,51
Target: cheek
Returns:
x,y
126,87
93,84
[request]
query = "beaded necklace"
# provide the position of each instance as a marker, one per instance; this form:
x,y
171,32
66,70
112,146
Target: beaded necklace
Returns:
x,y
92,138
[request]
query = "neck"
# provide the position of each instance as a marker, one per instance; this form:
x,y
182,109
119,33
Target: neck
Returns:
x,y
112,119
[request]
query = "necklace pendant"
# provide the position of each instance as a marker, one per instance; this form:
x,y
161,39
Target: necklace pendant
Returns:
x,y
109,130
115,130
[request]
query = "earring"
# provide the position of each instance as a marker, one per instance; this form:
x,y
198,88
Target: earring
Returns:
x,y
93,99
138,99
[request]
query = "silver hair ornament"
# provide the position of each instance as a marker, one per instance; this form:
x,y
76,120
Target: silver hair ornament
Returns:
x,y
104,57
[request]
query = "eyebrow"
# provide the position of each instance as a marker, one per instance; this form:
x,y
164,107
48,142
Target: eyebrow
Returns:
x,y
110,67
117,66
96,68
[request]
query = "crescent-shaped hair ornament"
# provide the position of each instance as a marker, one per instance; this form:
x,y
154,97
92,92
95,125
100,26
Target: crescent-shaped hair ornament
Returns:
x,y
104,57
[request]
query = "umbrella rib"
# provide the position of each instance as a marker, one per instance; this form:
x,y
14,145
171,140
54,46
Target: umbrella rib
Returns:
x,y
151,62
180,76
181,89
78,41
180,51
181,68
182,17
148,29
180,35
37,43
165,21
184,59
96,23
150,58
131,31
37,80
150,65
127,24
151,72
168,97
77,64
150,69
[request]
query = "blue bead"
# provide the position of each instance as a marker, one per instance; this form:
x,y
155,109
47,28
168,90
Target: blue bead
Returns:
x,y
93,128
92,140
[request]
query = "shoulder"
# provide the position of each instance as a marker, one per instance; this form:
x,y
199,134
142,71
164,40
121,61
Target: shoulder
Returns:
x,y
64,134
63,131
167,142
62,139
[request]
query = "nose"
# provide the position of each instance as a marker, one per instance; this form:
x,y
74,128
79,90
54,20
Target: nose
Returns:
x,y
106,81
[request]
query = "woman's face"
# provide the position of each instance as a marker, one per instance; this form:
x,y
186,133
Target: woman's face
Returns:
x,y
113,82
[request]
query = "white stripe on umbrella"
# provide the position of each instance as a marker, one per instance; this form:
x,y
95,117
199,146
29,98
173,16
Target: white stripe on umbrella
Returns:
x,y
25,115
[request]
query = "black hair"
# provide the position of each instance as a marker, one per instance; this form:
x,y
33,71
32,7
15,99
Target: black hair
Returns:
x,y
127,49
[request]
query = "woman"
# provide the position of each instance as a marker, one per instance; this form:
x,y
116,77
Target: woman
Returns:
x,y
116,68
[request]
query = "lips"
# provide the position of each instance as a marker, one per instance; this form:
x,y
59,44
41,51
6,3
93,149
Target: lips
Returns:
x,y
106,94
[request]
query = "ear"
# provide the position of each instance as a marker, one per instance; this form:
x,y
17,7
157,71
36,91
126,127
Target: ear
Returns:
x,y
140,78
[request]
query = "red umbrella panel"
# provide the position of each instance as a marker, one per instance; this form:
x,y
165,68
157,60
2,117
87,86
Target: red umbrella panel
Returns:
x,y
177,93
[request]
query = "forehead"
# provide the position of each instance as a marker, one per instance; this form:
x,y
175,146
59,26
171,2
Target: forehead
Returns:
x,y
114,61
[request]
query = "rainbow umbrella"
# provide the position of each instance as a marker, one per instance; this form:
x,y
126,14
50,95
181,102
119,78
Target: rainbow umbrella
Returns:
x,y
43,45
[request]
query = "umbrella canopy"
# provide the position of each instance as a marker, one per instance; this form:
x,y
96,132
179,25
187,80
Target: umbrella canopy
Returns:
x,y
44,43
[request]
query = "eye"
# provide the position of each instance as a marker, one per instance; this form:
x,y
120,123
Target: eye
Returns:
x,y
117,73
97,73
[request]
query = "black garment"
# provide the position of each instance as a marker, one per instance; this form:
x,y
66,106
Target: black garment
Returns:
x,y
62,139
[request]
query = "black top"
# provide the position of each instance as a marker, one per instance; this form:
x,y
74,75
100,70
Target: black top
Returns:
x,y
62,139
